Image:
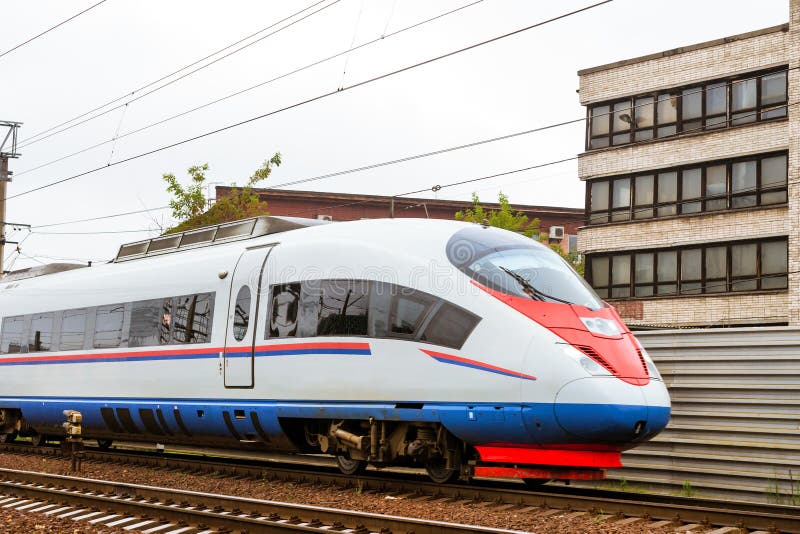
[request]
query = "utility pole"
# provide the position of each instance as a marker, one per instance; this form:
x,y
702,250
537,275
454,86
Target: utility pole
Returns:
x,y
8,150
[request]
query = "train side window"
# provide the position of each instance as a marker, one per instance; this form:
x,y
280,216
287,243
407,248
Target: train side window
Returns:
x,y
40,335
11,341
73,329
241,313
409,309
191,317
343,309
380,308
150,323
108,326
285,312
450,326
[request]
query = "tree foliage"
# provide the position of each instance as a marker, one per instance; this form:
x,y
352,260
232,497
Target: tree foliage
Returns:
x,y
516,221
188,203
505,217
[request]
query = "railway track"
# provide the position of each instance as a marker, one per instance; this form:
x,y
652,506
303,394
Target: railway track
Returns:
x,y
151,509
657,509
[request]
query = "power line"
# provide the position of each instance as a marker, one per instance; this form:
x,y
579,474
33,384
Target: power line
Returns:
x,y
102,217
41,135
99,232
318,62
437,187
52,28
252,87
408,158
319,97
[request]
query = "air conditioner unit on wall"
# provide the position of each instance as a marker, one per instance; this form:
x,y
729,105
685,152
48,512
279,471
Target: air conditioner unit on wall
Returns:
x,y
324,217
556,232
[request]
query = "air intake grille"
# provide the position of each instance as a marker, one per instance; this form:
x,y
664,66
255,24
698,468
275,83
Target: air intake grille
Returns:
x,y
644,363
590,352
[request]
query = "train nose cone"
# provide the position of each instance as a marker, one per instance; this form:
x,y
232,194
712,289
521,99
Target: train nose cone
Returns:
x,y
603,409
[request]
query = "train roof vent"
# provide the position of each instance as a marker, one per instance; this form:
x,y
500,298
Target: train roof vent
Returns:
x,y
212,235
40,270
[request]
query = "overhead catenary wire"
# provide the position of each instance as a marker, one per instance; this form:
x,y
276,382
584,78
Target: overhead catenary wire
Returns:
x,y
256,86
438,187
400,160
335,173
100,232
319,97
51,29
339,54
35,138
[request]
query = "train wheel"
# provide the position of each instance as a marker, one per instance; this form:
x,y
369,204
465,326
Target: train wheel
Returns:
x,y
40,440
104,443
8,438
439,473
349,466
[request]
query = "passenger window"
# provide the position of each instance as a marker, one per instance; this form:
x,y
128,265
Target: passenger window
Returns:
x,y
73,329
108,326
343,309
284,309
150,323
192,318
241,313
450,326
409,308
13,335
41,332
380,307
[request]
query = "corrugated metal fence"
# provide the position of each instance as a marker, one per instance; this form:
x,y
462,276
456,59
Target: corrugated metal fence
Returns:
x,y
735,427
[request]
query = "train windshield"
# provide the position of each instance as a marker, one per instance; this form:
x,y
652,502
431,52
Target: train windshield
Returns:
x,y
517,265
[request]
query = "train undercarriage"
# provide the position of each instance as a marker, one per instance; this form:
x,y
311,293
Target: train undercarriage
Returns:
x,y
357,444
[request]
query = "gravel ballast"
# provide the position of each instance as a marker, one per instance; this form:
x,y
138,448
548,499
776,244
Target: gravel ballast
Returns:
x,y
538,520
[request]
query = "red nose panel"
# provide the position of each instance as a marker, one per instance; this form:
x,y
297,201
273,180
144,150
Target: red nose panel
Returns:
x,y
618,354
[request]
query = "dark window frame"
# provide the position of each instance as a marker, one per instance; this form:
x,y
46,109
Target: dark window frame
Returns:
x,y
730,280
90,325
606,216
432,306
599,142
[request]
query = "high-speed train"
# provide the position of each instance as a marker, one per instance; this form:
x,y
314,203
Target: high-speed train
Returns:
x,y
464,349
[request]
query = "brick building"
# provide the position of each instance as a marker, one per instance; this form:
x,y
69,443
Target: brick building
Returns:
x,y
691,170
555,221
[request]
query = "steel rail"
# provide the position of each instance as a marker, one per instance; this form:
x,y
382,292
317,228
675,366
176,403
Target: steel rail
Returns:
x,y
218,511
754,516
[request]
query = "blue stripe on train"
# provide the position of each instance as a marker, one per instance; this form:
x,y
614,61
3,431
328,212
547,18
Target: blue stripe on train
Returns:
x,y
477,423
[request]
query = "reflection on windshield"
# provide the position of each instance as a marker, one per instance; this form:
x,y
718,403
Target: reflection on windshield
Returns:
x,y
518,266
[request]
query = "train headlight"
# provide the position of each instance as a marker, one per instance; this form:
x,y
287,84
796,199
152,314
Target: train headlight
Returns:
x,y
651,366
598,325
588,364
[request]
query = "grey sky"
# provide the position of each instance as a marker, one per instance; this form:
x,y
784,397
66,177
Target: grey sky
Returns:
x,y
519,83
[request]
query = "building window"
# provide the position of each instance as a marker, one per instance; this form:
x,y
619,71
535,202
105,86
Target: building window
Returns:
x,y
717,104
695,270
719,185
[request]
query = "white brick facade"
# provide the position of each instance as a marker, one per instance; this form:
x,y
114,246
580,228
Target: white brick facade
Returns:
x,y
750,52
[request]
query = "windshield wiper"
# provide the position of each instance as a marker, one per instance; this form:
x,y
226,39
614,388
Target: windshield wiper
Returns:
x,y
529,289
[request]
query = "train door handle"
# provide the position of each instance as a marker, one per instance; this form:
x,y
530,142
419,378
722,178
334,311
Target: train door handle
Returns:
x,y
220,362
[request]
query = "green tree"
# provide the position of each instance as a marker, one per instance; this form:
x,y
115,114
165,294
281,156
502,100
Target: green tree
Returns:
x,y
505,217
189,203
516,221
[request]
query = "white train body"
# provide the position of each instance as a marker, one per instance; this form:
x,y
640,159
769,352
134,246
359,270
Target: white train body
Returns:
x,y
525,386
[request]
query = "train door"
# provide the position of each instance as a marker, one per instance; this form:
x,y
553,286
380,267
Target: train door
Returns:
x,y
241,332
